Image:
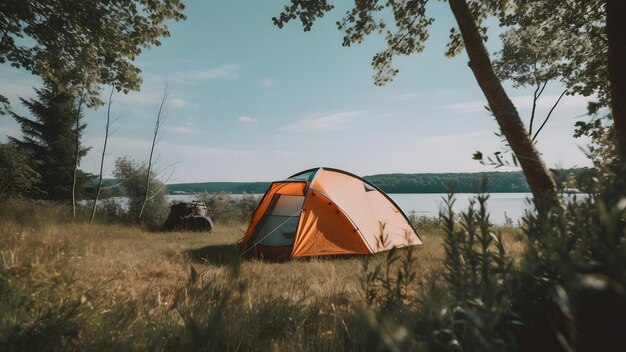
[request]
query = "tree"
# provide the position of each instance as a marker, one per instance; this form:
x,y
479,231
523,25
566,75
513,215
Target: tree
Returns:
x,y
565,41
77,152
17,178
557,40
528,61
615,29
133,177
408,36
157,126
104,149
50,141
581,43
81,44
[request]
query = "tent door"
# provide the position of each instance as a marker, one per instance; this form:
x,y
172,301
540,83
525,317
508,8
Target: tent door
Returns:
x,y
277,227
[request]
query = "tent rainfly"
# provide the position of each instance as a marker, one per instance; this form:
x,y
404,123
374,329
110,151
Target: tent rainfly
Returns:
x,y
325,211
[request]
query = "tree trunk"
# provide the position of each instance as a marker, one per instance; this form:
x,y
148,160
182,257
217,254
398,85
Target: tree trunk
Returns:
x,y
104,150
537,174
616,33
157,125
76,157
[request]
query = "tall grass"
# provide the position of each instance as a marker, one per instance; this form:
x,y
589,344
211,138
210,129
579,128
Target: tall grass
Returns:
x,y
563,288
75,286
557,283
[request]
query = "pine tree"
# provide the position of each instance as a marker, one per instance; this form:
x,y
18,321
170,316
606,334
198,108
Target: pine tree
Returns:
x,y
49,140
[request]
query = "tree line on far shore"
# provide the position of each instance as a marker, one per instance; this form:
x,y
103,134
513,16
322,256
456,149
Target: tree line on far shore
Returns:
x,y
497,182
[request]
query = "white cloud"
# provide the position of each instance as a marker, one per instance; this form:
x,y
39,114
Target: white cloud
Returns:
x,y
267,82
178,102
329,122
170,149
466,107
151,91
203,74
190,160
523,102
186,151
398,97
143,97
183,130
247,119
150,95
547,101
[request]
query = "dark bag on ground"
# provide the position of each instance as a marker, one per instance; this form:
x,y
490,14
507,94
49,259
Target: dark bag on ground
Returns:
x,y
188,216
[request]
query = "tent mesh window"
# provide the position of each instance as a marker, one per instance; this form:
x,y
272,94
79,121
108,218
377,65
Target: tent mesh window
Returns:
x,y
307,176
279,223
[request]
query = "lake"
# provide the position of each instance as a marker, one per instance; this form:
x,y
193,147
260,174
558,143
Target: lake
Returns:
x,y
500,205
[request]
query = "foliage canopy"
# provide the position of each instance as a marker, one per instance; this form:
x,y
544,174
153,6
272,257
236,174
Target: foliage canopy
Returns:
x,y
81,44
565,41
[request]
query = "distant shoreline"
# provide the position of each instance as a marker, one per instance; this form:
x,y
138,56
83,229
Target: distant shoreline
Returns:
x,y
422,183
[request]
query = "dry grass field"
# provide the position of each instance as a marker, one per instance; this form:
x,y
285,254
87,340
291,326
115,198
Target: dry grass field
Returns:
x,y
74,285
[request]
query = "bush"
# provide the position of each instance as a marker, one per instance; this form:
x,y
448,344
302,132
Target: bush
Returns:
x,y
476,269
17,178
133,176
567,292
228,209
570,289
111,212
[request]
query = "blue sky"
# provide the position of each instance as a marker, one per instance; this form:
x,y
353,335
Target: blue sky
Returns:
x,y
251,102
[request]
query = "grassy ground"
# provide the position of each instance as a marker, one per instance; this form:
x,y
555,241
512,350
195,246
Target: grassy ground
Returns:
x,y
78,286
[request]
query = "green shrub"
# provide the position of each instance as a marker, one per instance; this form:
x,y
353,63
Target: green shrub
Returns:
x,y
228,209
134,178
570,289
567,291
111,212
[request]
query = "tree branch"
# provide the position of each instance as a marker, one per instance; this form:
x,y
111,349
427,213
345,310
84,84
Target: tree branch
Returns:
x,y
157,125
536,96
77,155
104,148
548,117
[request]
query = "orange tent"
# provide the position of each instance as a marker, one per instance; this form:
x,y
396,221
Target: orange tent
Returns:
x,y
326,211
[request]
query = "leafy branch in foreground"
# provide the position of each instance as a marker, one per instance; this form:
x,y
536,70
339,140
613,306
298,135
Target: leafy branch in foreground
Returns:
x,y
389,284
84,44
476,269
